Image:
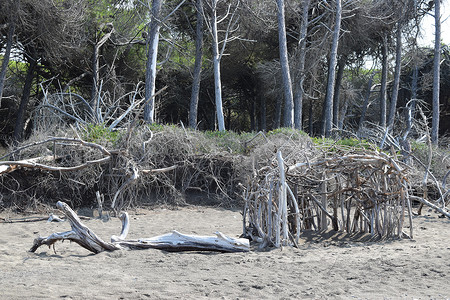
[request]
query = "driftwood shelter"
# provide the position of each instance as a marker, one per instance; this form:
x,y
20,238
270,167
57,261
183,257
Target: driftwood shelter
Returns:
x,y
355,193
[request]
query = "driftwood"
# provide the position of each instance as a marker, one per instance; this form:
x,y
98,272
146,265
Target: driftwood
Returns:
x,y
354,193
173,241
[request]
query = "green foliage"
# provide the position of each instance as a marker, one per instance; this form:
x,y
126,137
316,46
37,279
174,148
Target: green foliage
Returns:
x,y
346,144
229,141
290,132
161,127
97,133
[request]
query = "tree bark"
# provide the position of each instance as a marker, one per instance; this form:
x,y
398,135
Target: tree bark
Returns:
x,y
384,74
397,73
197,66
20,121
150,72
216,62
298,97
328,105
285,71
436,72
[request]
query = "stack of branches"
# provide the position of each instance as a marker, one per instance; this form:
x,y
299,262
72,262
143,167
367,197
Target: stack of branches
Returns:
x,y
355,193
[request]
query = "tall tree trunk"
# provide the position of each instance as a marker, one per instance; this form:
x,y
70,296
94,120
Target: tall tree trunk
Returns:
x,y
216,62
5,62
337,89
384,74
150,72
285,72
328,105
397,73
197,66
20,121
298,97
436,72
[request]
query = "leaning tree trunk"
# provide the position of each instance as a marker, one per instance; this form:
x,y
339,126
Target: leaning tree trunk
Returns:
x,y
216,62
284,61
5,62
384,74
20,121
328,105
397,73
150,72
436,72
193,109
298,97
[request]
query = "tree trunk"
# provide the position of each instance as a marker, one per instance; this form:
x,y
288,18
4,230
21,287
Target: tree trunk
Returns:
x,y
436,72
284,61
337,88
150,72
384,74
5,62
197,66
328,105
298,97
397,73
216,62
20,121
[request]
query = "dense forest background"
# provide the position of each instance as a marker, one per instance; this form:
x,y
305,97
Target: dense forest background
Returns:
x,y
240,65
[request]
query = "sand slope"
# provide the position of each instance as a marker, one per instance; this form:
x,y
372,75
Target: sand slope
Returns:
x,y
323,267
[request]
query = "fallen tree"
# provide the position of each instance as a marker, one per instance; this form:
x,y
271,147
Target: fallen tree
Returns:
x,y
173,241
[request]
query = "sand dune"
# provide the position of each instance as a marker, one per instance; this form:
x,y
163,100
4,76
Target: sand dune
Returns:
x,y
324,266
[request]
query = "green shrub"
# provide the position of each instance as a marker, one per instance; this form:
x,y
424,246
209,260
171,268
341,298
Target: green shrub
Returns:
x,y
97,133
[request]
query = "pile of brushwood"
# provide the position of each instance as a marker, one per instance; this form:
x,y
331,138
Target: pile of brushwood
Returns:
x,y
136,166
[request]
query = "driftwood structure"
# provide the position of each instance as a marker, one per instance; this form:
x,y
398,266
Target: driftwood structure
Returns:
x,y
173,241
365,192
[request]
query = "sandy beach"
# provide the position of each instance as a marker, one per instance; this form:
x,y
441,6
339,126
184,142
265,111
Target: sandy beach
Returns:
x,y
324,266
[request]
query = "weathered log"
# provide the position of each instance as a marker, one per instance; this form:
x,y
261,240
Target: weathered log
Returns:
x,y
174,241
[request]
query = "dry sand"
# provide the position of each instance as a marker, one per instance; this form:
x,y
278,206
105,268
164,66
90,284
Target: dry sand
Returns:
x,y
323,267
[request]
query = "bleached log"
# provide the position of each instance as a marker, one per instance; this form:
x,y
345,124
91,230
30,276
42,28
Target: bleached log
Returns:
x,y
176,241
173,241
428,203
